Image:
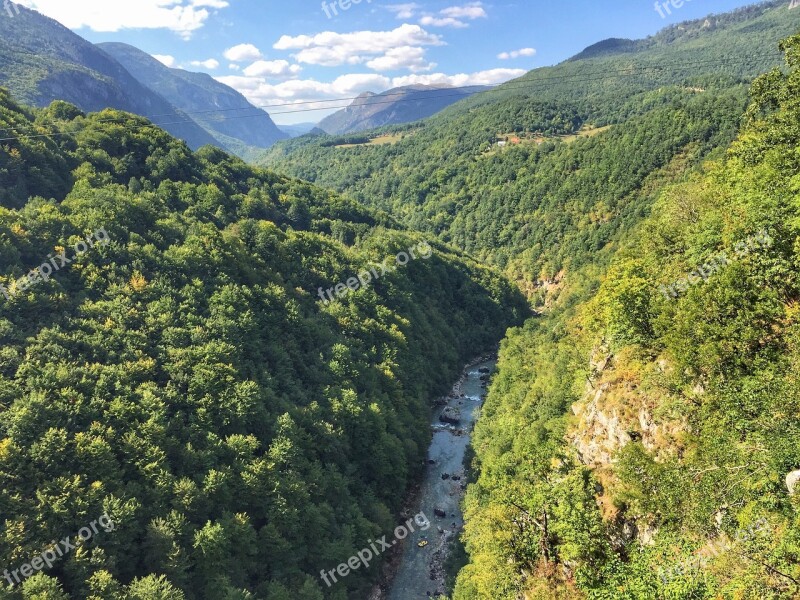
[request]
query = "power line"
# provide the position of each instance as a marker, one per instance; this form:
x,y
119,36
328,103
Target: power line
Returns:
x,y
496,87
519,85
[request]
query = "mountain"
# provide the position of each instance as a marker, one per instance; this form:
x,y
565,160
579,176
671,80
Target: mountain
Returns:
x,y
238,125
182,377
442,177
650,450
640,437
611,46
297,129
41,61
395,106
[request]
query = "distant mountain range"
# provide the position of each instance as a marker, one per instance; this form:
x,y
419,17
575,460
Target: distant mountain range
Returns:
x,y
41,61
297,129
395,106
234,122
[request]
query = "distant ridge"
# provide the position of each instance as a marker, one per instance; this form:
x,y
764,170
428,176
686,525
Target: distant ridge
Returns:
x,y
608,47
197,93
393,107
44,61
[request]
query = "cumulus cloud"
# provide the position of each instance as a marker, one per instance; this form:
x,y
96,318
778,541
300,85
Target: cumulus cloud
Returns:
x,y
473,10
209,64
404,11
331,49
181,16
242,53
166,59
404,57
430,21
272,68
490,77
517,53
455,16
324,98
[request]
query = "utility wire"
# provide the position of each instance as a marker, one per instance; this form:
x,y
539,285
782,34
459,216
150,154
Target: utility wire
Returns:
x,y
519,85
497,87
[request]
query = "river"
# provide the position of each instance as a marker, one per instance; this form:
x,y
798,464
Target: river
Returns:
x,y
420,573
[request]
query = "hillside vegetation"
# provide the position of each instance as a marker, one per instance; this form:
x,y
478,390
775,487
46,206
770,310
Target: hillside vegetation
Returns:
x,y
636,444
538,209
186,380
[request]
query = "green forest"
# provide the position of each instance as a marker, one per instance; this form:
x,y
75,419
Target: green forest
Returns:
x,y
634,254
704,389
186,380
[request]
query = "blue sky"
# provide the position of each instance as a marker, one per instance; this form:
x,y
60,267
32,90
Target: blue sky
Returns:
x,y
291,51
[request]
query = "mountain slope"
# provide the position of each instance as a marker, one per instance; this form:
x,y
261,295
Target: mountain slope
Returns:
x,y
537,207
641,441
237,123
41,61
184,378
393,107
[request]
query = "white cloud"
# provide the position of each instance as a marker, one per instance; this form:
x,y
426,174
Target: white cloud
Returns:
x,y
242,53
181,16
403,11
324,98
473,10
455,16
307,97
234,67
517,53
333,49
491,77
166,59
209,64
272,68
404,57
430,21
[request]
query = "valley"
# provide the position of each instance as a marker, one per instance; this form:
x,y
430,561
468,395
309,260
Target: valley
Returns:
x,y
261,403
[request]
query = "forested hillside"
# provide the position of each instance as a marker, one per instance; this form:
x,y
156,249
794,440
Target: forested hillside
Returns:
x,y
184,378
642,440
637,115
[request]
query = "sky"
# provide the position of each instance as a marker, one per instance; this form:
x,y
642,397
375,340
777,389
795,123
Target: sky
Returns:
x,y
318,55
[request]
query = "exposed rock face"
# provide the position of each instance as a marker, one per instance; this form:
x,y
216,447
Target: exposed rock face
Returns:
x,y
614,412
794,4
793,478
602,435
